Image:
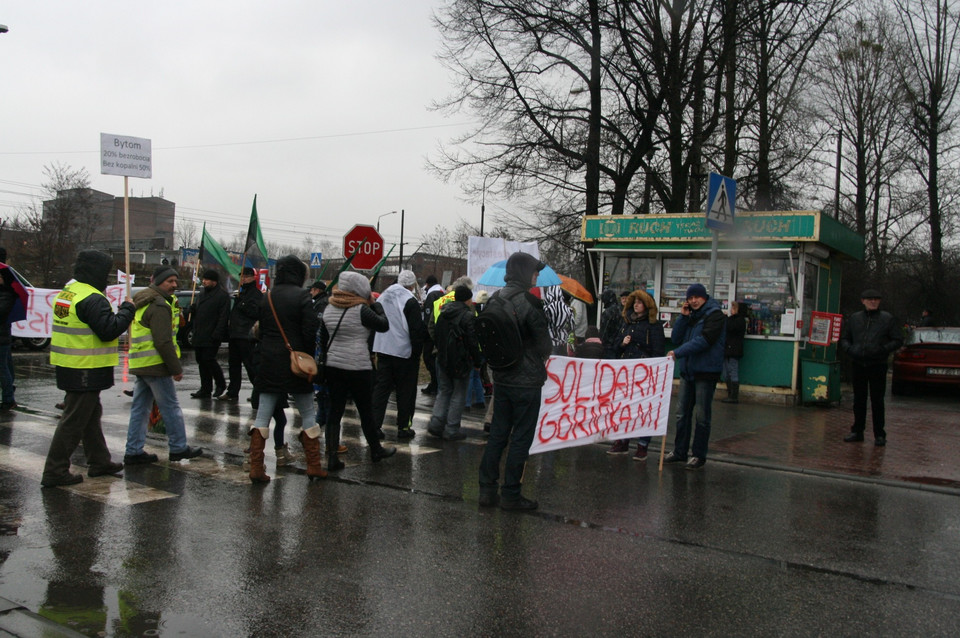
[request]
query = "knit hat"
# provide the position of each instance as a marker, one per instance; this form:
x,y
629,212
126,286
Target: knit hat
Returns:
x,y
162,273
871,293
247,271
462,293
697,290
407,278
354,282
211,274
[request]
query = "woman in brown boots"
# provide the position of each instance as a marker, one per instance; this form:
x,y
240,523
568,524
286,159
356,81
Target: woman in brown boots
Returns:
x,y
291,304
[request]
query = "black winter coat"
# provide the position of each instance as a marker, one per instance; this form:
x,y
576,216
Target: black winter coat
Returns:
x,y
245,312
531,371
869,337
209,314
300,323
736,327
460,314
646,339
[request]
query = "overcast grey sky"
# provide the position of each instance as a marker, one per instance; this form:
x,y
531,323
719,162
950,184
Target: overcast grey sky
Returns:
x,y
320,108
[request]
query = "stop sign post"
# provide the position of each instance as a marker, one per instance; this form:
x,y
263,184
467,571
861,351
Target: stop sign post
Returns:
x,y
367,243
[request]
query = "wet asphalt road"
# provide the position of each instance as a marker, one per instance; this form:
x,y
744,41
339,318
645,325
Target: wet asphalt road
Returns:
x,y
402,548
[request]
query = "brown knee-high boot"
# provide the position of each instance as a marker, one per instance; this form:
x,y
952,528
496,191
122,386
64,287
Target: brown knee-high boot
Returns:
x,y
258,473
311,449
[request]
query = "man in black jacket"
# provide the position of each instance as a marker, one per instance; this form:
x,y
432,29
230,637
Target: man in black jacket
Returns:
x,y
869,336
210,313
245,312
8,298
516,391
433,292
84,351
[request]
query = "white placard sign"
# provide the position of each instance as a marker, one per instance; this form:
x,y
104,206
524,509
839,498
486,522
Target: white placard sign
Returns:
x,y
124,155
483,252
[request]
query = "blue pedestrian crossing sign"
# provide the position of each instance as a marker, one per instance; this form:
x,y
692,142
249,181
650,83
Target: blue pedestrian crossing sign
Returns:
x,y
721,202
315,259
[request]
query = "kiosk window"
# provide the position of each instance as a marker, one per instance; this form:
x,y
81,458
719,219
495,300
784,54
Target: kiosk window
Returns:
x,y
764,286
630,273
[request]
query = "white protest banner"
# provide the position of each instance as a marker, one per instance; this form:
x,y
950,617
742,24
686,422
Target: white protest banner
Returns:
x,y
122,277
585,400
39,321
483,252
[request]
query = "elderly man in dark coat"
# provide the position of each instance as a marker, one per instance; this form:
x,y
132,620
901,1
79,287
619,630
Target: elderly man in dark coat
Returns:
x,y
210,314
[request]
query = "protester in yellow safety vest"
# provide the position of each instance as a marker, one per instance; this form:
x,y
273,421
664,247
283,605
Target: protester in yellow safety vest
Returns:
x,y
155,360
84,350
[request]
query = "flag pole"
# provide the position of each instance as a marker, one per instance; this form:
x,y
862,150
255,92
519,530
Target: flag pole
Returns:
x,y
196,270
383,261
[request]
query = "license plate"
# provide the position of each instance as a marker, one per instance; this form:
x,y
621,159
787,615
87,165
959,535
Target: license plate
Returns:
x,y
941,372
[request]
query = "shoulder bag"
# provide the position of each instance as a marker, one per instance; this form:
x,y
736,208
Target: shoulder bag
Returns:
x,y
301,363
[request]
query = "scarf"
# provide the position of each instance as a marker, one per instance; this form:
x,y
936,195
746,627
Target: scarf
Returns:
x,y
344,299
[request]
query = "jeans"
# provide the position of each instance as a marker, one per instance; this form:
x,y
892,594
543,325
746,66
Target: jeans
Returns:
x,y
731,369
145,392
7,375
448,406
872,378
268,406
695,404
400,374
514,422
474,390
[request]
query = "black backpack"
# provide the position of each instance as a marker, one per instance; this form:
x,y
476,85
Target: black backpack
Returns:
x,y
498,330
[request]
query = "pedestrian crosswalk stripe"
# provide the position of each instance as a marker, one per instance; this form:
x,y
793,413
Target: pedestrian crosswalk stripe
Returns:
x,y
110,490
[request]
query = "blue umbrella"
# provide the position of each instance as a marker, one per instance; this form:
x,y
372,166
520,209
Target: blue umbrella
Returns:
x,y
495,276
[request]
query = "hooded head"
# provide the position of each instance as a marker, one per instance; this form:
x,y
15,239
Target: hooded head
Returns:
x,y
407,279
462,293
92,268
290,270
521,268
608,297
648,303
355,283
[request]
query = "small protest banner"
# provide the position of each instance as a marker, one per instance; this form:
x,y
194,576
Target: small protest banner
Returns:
x,y
585,400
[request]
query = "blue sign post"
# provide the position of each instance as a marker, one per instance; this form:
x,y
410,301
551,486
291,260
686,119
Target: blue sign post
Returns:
x,y
721,207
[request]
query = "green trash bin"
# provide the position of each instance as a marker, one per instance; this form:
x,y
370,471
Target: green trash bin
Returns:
x,y
821,381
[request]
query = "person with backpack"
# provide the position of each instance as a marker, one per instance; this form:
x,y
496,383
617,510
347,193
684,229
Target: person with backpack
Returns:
x,y
457,355
516,342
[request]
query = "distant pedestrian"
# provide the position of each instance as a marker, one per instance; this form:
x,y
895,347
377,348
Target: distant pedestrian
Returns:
x,y
869,336
926,319
432,291
319,297
641,337
699,337
458,354
347,323
154,359
83,350
210,314
736,329
245,312
398,353
517,390
8,297
579,309
611,321
592,346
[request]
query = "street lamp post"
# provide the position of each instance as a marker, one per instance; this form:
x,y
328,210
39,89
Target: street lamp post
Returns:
x,y
393,212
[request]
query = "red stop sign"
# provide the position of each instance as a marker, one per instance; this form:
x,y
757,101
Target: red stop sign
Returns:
x,y
367,243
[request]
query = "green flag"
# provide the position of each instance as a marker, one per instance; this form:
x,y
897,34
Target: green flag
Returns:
x,y
211,252
254,250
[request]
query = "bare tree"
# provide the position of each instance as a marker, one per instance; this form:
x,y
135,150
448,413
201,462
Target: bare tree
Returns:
x,y
187,233
932,76
62,223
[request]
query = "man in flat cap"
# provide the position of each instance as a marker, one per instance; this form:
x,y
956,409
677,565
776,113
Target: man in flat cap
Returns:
x,y
869,336
210,313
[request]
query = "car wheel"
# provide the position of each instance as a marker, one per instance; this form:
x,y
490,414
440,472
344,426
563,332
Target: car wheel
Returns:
x,y
36,343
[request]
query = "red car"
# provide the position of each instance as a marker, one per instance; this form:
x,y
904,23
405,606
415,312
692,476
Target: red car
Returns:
x,y
929,357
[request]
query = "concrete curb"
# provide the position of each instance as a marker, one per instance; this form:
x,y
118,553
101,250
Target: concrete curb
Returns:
x,y
17,620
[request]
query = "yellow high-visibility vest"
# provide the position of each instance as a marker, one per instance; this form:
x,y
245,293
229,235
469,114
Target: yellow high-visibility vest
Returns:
x,y
143,353
73,343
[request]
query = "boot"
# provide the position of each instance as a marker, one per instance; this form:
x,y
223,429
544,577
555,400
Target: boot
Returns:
x,y
311,449
733,393
258,473
284,457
